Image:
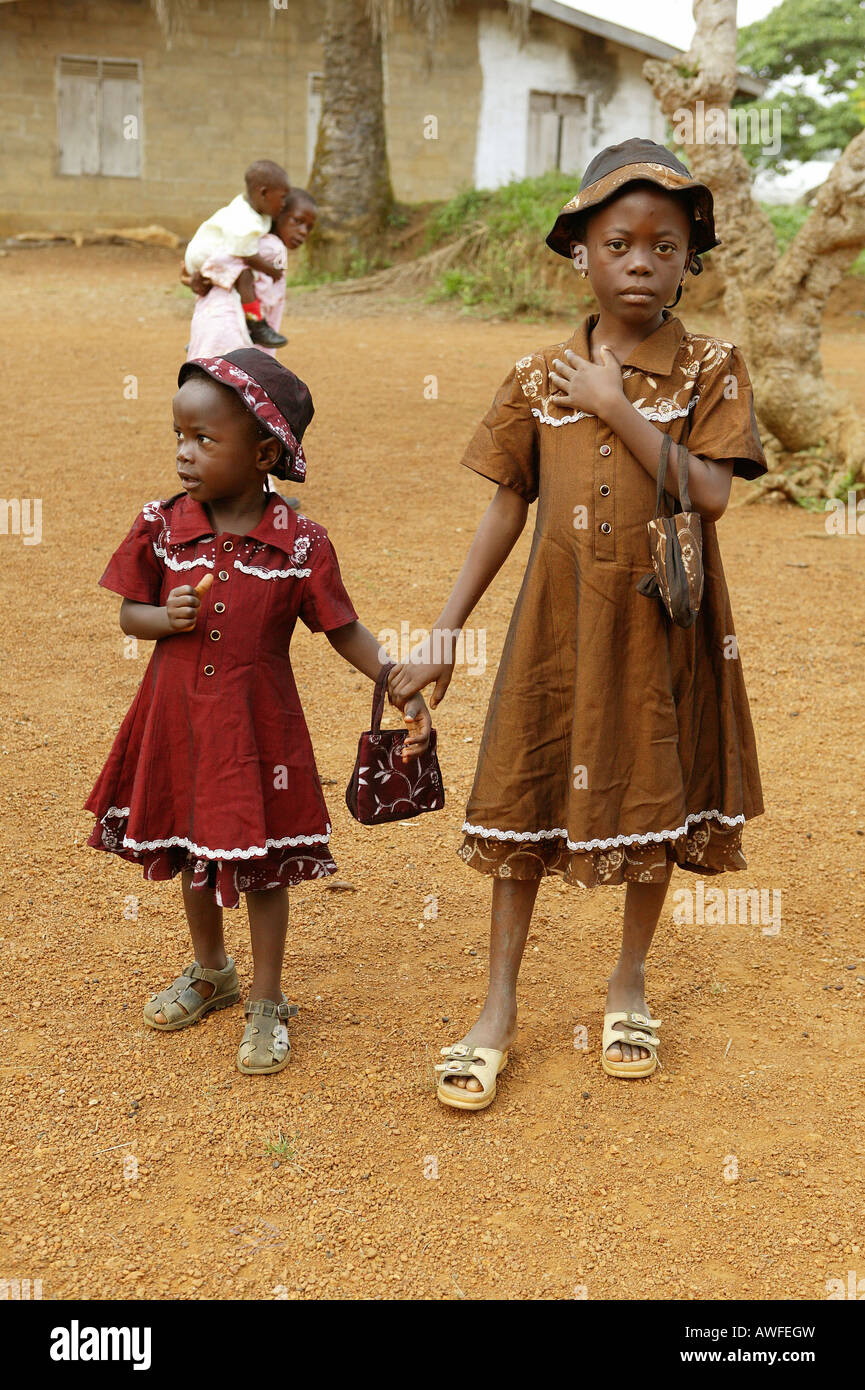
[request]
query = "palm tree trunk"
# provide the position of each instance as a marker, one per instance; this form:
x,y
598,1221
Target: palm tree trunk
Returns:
x,y
775,304
350,178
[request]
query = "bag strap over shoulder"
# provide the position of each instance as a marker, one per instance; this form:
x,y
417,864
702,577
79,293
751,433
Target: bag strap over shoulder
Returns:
x,y
378,696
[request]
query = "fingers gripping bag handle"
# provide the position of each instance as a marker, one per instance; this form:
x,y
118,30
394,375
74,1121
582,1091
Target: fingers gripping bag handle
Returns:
x,y
384,786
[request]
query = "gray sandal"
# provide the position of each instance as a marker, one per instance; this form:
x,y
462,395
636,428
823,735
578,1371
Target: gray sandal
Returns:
x,y
264,1046
181,1005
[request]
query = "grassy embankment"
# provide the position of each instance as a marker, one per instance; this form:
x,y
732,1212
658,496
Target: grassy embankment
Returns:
x,y
501,270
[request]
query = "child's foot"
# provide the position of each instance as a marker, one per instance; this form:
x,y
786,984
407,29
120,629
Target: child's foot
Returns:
x,y
495,1028
626,993
263,335
192,995
265,1046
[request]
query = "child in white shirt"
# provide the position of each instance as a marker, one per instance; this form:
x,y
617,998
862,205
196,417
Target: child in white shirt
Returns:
x,y
236,230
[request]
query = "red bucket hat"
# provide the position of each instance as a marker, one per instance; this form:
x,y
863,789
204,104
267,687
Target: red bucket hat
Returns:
x,y
273,394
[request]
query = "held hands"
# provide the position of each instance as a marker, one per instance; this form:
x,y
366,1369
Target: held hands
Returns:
x,y
408,677
418,725
590,386
183,603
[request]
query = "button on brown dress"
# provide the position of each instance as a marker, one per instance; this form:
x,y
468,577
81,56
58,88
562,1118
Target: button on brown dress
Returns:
x,y
614,739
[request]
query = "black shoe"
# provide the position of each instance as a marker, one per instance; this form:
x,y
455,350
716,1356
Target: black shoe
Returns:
x,y
261,332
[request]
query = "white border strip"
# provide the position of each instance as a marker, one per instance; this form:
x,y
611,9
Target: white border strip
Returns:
x,y
651,837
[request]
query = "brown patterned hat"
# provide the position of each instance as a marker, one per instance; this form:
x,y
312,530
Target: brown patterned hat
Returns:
x,y
618,165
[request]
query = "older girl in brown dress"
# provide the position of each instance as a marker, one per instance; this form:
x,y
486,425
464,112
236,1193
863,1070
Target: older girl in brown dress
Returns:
x,y
616,744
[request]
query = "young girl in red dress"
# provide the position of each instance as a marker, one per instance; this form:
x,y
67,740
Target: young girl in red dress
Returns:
x,y
212,774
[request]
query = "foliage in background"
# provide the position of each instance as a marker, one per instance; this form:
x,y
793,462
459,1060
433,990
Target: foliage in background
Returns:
x,y
513,273
820,39
509,272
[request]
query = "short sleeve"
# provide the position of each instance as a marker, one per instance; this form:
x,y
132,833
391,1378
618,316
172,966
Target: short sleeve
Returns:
x,y
505,444
325,604
242,243
134,570
242,228
724,425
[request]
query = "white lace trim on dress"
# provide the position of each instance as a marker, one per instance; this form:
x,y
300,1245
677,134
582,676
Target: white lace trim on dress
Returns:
x,y
257,851
663,415
272,574
647,414
179,564
563,419
651,837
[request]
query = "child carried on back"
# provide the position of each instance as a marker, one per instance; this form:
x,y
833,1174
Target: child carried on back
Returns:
x,y
218,324
235,230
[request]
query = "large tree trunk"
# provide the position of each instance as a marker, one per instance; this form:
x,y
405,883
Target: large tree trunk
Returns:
x,y
350,178
775,304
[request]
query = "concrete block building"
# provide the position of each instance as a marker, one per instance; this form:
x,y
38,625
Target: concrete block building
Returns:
x,y
103,123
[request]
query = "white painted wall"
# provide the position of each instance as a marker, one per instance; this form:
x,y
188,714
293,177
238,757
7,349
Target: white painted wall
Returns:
x,y
510,72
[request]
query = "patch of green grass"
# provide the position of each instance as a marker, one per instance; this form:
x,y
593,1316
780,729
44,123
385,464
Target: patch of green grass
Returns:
x,y
282,1147
300,275
525,209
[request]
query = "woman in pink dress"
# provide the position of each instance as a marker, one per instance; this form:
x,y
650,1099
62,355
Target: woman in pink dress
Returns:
x,y
218,321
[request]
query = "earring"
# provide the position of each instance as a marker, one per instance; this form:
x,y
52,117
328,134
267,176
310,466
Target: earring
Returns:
x,y
678,295
585,274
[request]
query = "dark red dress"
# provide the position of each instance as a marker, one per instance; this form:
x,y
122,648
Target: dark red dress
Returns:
x,y
213,768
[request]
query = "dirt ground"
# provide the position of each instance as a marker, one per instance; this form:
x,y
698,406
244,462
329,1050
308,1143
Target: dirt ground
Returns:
x,y
342,1176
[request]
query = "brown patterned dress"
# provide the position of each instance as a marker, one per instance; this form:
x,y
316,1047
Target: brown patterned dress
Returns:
x,y
614,740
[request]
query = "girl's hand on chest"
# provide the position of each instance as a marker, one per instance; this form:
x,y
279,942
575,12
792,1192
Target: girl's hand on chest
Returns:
x,y
595,387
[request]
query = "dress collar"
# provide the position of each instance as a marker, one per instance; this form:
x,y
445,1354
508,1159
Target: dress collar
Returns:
x,y
655,354
189,522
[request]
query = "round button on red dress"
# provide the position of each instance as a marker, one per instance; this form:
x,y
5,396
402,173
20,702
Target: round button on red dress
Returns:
x,y
215,635
228,545
219,608
208,670
223,574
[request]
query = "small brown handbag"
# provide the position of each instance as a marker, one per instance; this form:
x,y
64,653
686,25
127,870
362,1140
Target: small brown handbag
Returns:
x,y
676,545
383,786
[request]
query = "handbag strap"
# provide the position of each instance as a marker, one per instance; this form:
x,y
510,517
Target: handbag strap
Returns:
x,y
682,474
666,441
682,460
378,696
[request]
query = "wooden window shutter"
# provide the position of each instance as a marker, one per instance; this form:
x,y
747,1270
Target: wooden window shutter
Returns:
x,y
78,115
120,123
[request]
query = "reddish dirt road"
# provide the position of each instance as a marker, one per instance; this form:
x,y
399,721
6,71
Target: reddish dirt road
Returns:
x,y
342,1176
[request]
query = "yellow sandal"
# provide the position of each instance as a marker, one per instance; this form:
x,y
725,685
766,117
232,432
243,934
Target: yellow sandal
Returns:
x,y
639,1031
483,1063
